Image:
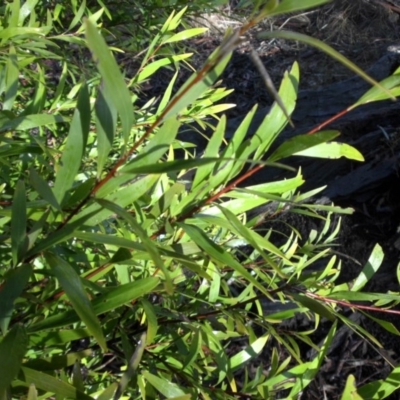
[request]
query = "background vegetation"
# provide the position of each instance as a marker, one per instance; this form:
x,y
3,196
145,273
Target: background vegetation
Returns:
x,y
122,277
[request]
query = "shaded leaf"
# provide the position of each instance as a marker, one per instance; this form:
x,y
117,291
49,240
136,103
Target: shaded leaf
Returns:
x,y
72,285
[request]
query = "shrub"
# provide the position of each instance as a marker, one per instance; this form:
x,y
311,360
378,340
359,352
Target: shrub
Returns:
x,y
119,278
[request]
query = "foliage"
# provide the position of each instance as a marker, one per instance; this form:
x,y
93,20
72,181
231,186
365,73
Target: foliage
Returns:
x,y
120,278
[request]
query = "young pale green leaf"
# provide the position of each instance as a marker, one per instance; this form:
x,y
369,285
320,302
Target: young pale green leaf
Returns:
x,y
51,384
12,75
152,323
350,390
332,150
375,94
326,49
108,394
14,283
10,32
301,143
32,392
106,123
43,188
370,268
250,352
167,94
75,147
19,239
114,298
162,385
72,285
211,151
186,34
113,80
382,388
153,67
78,15
275,121
12,350
195,87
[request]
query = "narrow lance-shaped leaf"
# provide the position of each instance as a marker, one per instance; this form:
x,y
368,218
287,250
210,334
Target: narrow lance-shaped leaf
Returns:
x,y
43,188
75,147
132,366
113,80
109,301
72,285
13,285
106,122
326,49
19,239
300,143
332,150
12,350
51,384
12,74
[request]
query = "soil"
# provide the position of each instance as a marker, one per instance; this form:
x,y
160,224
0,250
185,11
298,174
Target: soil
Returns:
x,y
361,30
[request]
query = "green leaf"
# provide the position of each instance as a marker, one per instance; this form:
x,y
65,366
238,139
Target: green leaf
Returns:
x,y
289,6
27,122
132,366
350,390
194,350
314,306
165,387
195,86
382,388
43,188
14,283
114,298
376,94
75,147
332,150
12,75
106,123
169,166
72,285
372,265
301,143
51,384
19,239
186,34
12,350
141,233
32,392
219,254
113,80
250,352
152,323
159,144
326,49
78,15
153,67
